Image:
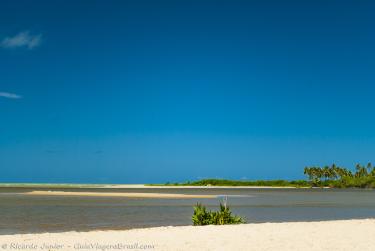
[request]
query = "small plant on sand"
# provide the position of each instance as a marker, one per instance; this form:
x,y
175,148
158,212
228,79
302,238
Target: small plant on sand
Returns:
x,y
222,217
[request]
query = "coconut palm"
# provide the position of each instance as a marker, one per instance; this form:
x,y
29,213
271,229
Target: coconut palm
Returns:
x,y
361,171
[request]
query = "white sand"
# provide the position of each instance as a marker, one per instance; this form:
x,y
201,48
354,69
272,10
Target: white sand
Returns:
x,y
120,194
301,236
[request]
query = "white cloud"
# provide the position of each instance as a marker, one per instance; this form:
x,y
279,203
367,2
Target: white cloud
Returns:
x,y
22,39
10,95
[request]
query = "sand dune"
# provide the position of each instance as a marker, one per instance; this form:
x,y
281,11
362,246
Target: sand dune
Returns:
x,y
329,235
120,194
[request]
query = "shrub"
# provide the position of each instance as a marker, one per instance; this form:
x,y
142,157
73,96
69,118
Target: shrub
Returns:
x,y
222,217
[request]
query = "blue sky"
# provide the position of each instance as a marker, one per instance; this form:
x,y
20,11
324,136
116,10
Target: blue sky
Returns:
x,y
157,91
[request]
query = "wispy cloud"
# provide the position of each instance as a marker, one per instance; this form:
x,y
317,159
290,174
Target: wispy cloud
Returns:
x,y
10,95
22,39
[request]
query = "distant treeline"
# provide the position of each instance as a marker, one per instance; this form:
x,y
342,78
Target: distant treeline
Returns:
x,y
327,176
340,177
222,182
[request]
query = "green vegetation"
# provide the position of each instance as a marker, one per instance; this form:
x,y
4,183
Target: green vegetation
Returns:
x,y
340,177
223,182
272,183
222,217
327,176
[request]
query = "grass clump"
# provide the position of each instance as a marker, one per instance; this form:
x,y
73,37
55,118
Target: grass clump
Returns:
x,y
224,216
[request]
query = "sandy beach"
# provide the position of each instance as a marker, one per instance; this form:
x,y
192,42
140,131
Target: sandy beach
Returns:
x,y
325,235
120,194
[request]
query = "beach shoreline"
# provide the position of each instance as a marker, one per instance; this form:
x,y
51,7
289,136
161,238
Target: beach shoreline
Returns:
x,y
322,235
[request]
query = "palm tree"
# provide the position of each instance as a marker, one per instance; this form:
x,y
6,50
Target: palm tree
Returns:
x,y
334,171
317,174
369,168
343,172
361,171
326,172
308,171
348,173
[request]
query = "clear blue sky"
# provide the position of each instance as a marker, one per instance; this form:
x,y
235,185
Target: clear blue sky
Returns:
x,y
156,91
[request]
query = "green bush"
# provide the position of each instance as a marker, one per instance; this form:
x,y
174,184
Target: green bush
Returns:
x,y
222,217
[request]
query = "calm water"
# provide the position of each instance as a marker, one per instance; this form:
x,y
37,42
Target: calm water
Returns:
x,y
26,214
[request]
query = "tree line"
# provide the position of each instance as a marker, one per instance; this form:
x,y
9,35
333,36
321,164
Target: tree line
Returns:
x,y
363,176
336,176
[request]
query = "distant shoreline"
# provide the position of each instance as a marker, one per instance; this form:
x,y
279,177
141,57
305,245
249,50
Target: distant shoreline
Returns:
x,y
132,186
200,187
318,177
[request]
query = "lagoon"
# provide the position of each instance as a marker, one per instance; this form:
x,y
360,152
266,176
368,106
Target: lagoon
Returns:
x,y
22,213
